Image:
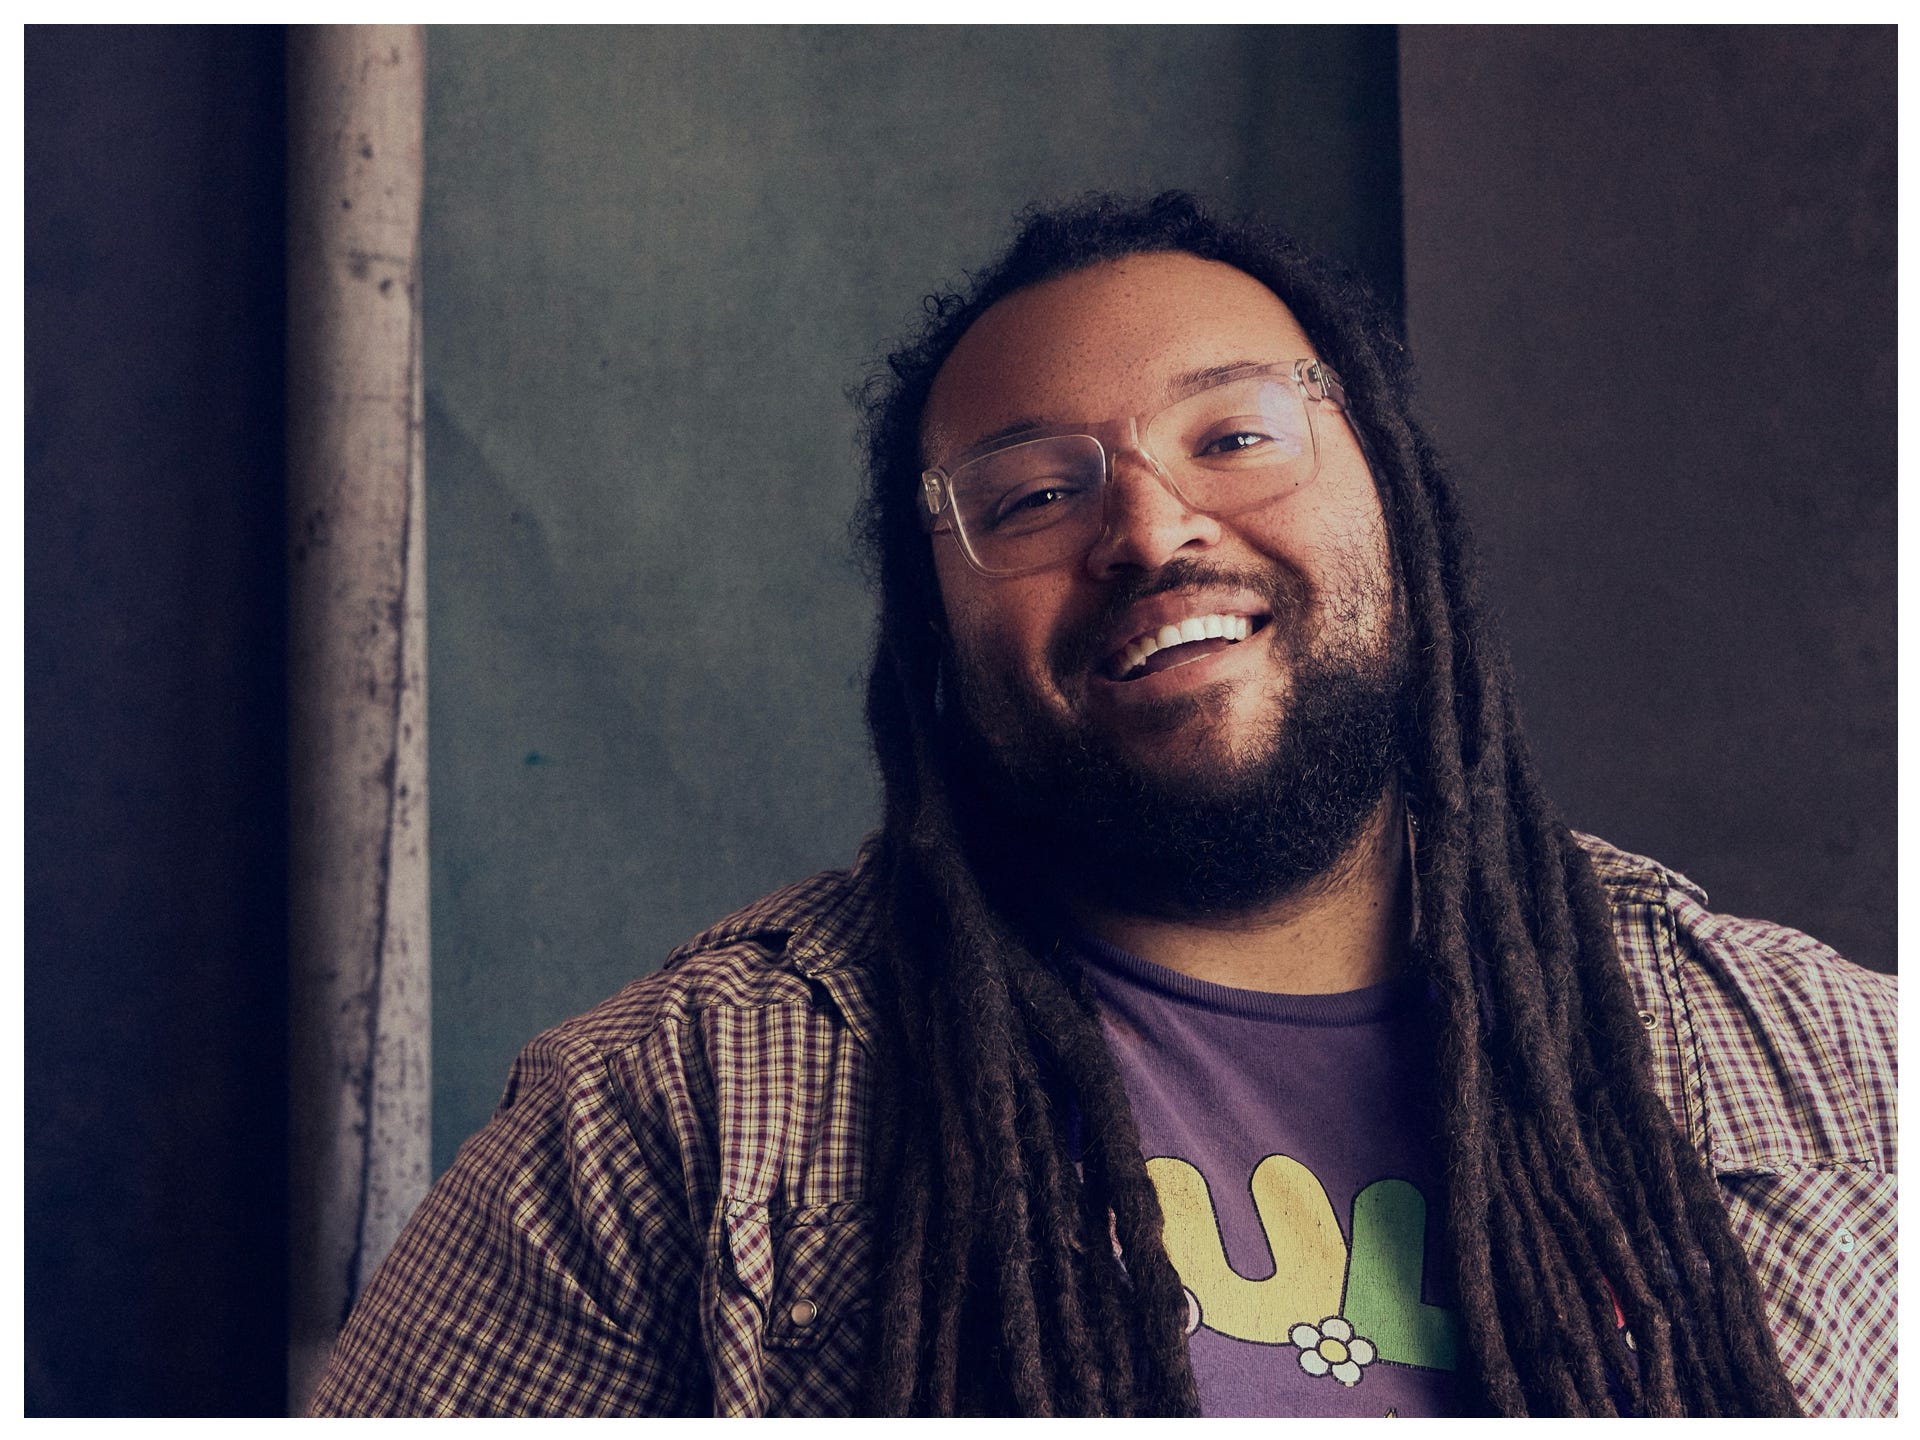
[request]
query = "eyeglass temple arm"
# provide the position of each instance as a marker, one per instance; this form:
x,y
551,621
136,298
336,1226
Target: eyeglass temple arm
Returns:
x,y
1320,382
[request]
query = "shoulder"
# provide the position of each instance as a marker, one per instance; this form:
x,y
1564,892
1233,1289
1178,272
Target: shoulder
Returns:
x,y
1790,1047
807,947
742,1068
573,1260
1754,957
1776,1057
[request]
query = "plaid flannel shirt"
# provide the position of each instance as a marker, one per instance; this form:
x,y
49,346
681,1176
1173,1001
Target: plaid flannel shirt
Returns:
x,y
669,1212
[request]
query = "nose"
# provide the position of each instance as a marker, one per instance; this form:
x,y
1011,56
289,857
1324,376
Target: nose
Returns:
x,y
1145,523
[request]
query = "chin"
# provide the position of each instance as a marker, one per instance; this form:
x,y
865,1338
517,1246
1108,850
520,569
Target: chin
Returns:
x,y
1206,736
1213,801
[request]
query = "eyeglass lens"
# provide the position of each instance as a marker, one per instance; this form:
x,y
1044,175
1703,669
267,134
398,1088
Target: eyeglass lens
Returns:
x,y
1225,449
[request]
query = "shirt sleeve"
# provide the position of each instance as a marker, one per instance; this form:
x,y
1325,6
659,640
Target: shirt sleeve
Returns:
x,y
1793,1052
553,1270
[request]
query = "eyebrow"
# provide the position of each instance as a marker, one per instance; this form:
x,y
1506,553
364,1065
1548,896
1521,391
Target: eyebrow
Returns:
x,y
1008,432
1188,381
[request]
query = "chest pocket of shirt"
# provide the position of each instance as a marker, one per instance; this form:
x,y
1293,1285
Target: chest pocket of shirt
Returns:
x,y
807,1270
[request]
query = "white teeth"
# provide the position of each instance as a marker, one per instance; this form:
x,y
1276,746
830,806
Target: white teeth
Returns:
x,y
1197,627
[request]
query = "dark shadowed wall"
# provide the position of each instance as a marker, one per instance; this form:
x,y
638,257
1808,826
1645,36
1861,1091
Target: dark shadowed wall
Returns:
x,y
1650,282
155,1190
655,260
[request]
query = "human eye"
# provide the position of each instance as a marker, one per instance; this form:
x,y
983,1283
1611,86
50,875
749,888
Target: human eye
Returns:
x,y
1249,422
1259,436
1030,486
1035,504
1236,442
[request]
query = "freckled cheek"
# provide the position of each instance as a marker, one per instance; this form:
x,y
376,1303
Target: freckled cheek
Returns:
x,y
1361,538
1000,636
1341,507
995,636
1312,529
1366,574
1338,543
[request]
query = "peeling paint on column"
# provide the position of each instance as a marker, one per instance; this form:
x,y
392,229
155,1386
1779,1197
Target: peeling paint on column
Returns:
x,y
357,682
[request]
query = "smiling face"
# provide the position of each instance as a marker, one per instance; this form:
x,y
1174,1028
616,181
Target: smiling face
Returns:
x,y
1085,686
1310,568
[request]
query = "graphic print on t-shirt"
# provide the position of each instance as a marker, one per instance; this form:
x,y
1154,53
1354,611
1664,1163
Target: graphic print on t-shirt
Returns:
x,y
1342,1304
1298,1153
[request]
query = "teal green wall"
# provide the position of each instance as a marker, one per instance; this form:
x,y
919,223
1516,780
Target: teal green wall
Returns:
x,y
655,261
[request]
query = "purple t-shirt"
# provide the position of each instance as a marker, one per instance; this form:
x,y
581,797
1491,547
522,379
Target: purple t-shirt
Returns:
x,y
1293,1140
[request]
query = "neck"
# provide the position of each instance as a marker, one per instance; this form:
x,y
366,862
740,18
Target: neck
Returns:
x,y
1346,931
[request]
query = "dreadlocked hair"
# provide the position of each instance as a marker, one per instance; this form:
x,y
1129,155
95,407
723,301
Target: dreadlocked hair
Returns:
x,y
1569,1185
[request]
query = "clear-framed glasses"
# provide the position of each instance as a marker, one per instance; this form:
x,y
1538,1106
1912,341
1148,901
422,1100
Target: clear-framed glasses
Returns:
x,y
1243,440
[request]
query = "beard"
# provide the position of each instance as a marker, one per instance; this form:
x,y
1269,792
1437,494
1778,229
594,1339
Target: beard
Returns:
x,y
1039,798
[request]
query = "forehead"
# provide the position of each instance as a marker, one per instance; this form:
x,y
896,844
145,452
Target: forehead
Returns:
x,y
1100,343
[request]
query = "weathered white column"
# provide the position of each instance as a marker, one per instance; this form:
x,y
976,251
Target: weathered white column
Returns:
x,y
357,693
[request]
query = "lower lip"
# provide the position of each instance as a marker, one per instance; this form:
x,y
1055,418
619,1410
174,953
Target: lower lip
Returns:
x,y
1188,675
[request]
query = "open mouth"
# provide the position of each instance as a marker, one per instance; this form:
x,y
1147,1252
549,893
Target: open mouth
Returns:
x,y
1194,638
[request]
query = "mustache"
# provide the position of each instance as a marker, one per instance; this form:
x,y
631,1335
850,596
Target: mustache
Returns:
x,y
1084,646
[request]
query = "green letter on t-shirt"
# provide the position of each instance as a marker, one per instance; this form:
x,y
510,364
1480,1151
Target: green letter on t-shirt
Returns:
x,y
1384,1270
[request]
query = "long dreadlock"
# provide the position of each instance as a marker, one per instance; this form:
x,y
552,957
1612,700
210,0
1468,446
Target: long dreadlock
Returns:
x,y
1569,1185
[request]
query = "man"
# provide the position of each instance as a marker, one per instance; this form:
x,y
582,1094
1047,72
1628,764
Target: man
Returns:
x,y
1221,1019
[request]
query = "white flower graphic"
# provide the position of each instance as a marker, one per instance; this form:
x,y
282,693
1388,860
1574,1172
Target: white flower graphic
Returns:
x,y
1331,1348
